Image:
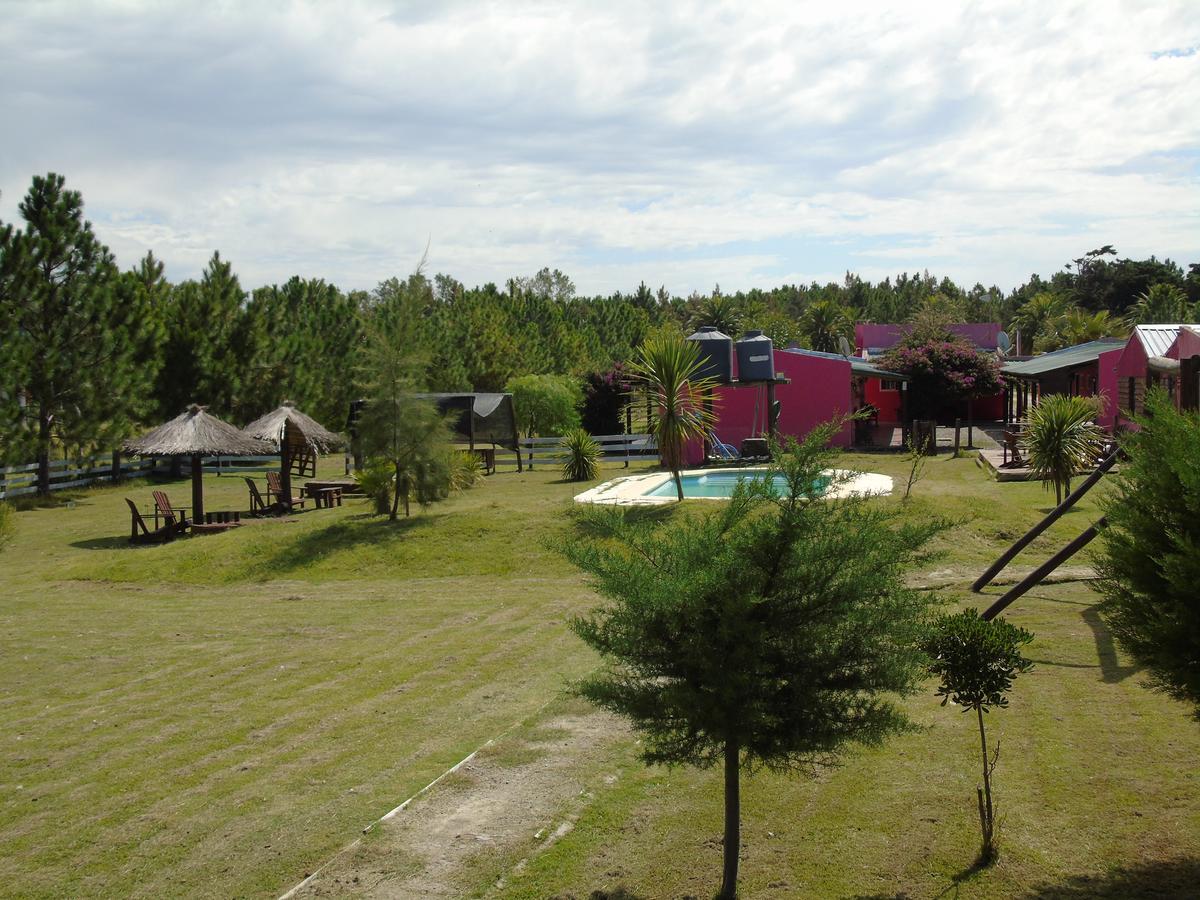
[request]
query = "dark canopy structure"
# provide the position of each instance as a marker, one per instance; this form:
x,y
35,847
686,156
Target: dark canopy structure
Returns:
x,y
476,418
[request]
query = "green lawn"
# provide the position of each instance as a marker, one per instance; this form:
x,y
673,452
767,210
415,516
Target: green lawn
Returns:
x,y
219,716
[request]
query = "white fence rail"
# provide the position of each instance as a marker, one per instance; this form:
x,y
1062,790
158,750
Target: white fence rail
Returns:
x,y
16,481
625,448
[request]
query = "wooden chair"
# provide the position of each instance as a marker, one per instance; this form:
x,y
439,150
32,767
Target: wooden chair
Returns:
x,y
275,489
141,533
172,516
258,506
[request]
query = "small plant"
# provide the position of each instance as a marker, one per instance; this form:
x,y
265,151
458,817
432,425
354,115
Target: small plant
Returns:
x,y
583,454
977,661
466,469
917,460
1062,439
376,482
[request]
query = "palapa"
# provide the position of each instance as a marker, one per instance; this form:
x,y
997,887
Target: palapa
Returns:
x,y
195,433
270,428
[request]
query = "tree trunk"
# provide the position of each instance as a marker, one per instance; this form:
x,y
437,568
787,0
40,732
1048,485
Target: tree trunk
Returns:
x,y
986,815
43,460
733,810
395,497
678,482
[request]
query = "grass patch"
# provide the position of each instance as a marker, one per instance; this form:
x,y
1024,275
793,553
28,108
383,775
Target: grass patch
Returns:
x,y
220,715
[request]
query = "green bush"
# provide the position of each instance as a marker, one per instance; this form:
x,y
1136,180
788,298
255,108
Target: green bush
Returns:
x,y
1150,564
583,455
466,469
376,482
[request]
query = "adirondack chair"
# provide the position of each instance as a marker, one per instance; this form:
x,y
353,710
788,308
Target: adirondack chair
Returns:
x,y
141,533
258,506
275,489
173,517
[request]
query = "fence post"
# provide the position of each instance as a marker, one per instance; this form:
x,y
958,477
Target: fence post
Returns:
x,y
957,427
116,466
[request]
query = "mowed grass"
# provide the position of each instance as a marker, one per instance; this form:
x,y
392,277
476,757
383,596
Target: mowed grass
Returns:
x,y
218,716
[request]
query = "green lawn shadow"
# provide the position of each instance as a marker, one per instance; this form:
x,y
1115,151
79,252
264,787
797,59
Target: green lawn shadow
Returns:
x,y
344,535
1161,879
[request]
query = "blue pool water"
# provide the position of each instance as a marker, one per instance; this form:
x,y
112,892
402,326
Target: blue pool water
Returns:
x,y
717,484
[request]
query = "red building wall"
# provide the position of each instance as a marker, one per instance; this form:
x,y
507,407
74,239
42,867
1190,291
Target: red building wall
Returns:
x,y
1106,385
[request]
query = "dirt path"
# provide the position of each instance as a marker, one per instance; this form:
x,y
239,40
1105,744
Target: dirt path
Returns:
x,y
514,799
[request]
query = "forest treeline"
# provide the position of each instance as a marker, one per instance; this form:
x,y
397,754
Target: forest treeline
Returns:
x,y
89,352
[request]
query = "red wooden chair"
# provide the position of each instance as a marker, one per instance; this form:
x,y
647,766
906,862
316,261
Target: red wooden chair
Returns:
x,y
173,516
275,489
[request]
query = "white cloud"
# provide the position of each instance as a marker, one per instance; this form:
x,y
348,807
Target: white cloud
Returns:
x,y
683,144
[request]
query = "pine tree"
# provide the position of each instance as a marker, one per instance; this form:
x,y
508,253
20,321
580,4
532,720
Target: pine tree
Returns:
x,y
70,352
774,632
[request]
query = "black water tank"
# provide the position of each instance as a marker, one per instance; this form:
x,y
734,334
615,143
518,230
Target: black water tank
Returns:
x,y
716,354
756,357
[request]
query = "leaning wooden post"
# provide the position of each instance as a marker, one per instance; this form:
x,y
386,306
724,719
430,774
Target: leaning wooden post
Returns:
x,y
1070,500
1034,578
197,489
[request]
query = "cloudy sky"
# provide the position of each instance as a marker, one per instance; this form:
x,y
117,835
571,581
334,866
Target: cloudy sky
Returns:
x,y
681,144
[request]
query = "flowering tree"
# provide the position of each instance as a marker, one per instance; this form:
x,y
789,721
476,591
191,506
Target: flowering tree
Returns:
x,y
944,370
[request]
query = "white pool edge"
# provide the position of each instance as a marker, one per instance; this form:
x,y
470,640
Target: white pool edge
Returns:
x,y
631,490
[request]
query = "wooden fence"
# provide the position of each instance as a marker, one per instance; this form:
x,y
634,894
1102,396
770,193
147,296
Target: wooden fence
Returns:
x,y
16,481
549,451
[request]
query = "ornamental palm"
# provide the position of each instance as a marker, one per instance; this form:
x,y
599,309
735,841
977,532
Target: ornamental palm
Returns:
x,y
1062,438
824,322
668,368
1036,317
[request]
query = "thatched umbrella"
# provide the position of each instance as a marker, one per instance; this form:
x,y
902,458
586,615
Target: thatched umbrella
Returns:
x,y
195,433
289,430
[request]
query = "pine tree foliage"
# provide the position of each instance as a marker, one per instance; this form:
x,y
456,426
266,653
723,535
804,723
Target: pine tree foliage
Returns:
x,y
1150,564
72,376
775,632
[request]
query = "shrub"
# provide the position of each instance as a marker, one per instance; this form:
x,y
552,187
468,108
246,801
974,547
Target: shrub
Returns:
x,y
466,469
977,661
943,369
376,482
1062,439
583,454
1150,564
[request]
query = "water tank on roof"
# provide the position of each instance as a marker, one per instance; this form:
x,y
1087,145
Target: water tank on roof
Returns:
x,y
756,357
716,354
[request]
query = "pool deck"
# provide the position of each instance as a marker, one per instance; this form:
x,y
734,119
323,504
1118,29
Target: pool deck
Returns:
x,y
632,490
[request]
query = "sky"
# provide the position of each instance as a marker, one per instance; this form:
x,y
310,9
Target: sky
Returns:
x,y
680,144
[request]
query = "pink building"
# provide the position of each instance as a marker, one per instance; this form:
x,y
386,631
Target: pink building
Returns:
x,y
872,340
811,388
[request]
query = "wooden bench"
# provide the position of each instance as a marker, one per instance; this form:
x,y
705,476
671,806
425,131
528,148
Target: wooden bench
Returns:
x,y
324,497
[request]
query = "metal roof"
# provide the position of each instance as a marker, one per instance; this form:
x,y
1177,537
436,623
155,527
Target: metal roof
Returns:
x,y
1157,339
858,365
1057,360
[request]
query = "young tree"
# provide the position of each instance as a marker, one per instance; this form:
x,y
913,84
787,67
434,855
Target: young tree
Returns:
x,y
1150,565
545,404
1062,438
396,427
69,353
977,662
668,368
774,632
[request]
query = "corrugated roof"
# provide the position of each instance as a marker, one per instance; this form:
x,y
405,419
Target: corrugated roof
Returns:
x,y
1157,339
858,365
1056,360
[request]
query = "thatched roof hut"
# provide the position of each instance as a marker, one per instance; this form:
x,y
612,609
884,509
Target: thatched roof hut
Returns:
x,y
271,427
195,433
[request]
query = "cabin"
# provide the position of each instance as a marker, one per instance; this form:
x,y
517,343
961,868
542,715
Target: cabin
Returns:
x,y
873,340
1146,362
1083,370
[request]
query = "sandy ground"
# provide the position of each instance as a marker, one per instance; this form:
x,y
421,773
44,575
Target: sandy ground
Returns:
x,y
512,801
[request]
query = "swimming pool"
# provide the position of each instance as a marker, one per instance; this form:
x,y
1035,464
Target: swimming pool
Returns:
x,y
657,488
719,484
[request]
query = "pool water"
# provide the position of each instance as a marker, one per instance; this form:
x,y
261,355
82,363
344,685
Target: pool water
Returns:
x,y
720,484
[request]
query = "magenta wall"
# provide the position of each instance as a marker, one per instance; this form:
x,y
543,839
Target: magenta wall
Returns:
x,y
889,403
1133,359
1106,385
818,390
1186,345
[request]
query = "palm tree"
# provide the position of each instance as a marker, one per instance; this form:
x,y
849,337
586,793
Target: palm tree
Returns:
x,y
824,322
1062,439
1162,304
720,312
668,366
1036,316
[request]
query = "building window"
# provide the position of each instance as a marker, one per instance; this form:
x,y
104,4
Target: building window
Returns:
x,y
889,384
